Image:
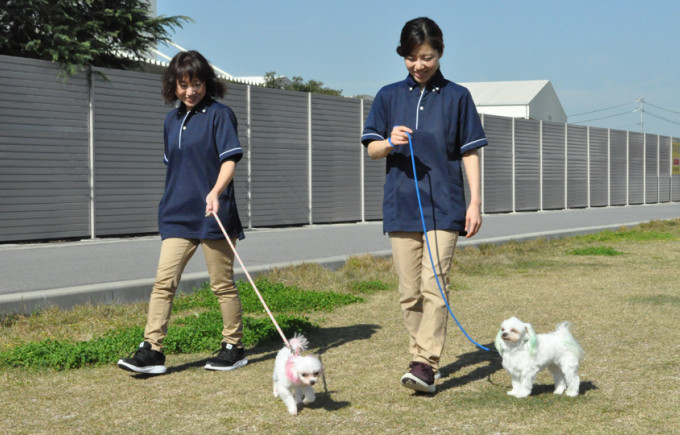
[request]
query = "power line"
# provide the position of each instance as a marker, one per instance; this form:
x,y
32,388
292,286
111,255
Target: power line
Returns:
x,y
659,107
604,117
601,110
661,117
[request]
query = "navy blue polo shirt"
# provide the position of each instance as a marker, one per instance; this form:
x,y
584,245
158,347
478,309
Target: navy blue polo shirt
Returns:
x,y
445,126
196,145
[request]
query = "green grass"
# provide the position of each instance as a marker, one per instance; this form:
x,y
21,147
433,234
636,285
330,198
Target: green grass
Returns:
x,y
624,311
198,332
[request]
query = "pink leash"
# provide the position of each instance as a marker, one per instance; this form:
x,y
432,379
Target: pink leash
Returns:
x,y
231,245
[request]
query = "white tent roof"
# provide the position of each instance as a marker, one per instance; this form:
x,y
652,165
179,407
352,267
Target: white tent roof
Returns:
x,y
505,93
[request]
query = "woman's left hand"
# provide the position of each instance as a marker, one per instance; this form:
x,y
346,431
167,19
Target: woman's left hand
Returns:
x,y
473,220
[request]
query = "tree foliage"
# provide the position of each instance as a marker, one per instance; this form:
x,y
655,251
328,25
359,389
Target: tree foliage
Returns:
x,y
298,84
78,33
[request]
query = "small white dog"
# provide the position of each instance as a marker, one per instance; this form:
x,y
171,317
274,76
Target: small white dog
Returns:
x,y
525,354
295,375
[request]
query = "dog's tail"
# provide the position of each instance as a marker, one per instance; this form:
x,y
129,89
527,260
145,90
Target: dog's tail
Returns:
x,y
568,340
298,343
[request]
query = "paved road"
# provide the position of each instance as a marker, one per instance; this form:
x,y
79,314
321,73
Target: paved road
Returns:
x,y
110,270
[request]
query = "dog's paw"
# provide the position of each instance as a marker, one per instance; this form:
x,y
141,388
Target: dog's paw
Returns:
x,y
292,410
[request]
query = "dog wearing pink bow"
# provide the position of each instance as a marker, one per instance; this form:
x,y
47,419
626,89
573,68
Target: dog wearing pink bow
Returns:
x,y
295,375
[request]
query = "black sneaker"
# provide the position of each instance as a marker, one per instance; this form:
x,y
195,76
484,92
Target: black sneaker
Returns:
x,y
228,358
145,360
420,377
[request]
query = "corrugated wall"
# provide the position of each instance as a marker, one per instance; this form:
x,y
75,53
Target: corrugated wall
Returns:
x,y
336,155
577,166
664,169
280,157
44,152
302,159
374,178
618,167
651,168
497,195
553,166
128,159
636,167
598,144
527,165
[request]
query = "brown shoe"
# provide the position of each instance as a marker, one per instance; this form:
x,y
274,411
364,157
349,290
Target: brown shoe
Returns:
x,y
420,377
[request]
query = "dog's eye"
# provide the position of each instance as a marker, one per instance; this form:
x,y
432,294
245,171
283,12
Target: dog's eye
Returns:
x,y
305,375
316,373
514,331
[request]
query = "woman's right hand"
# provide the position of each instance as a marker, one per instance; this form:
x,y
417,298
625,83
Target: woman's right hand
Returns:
x,y
398,135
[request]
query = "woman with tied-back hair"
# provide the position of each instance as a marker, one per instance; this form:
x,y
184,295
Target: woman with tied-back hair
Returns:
x,y
446,132
201,152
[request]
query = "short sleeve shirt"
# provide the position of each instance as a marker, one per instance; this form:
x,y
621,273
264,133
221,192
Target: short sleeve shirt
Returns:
x,y
196,144
445,126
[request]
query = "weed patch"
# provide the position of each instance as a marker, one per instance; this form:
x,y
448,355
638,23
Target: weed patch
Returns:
x,y
595,250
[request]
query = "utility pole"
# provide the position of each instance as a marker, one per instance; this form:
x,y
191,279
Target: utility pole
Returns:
x,y
641,109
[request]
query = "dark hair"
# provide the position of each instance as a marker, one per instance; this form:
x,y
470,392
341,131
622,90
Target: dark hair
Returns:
x,y
190,63
418,32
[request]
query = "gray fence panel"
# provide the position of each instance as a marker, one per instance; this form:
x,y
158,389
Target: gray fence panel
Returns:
x,y
665,160
374,180
527,165
651,168
675,178
577,166
599,177
237,100
279,166
553,166
497,165
336,160
618,167
636,157
128,158
44,152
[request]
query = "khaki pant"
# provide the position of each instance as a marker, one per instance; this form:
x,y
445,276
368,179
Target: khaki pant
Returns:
x,y
424,310
175,254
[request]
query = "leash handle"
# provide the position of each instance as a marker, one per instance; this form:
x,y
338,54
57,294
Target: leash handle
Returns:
x,y
427,242
252,283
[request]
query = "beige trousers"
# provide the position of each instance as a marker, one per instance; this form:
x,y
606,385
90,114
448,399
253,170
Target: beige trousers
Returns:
x,y
422,305
175,254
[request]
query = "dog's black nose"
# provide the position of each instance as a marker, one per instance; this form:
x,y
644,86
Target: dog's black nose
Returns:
x,y
312,382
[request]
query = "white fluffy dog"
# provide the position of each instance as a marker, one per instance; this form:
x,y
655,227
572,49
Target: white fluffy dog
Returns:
x,y
525,354
295,375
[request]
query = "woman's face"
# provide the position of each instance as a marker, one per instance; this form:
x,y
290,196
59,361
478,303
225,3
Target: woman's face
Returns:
x,y
422,63
190,91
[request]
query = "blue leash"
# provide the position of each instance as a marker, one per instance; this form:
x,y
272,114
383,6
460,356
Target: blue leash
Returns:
x,y
427,241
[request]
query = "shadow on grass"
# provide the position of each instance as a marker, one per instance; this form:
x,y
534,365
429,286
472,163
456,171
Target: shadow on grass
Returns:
x,y
539,389
331,337
491,358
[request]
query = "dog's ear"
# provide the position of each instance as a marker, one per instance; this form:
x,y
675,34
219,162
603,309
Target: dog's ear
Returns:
x,y
531,339
499,342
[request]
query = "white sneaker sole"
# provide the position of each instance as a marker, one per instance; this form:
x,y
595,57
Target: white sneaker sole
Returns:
x,y
238,364
148,370
410,381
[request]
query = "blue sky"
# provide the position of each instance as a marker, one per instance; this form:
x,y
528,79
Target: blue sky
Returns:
x,y
596,53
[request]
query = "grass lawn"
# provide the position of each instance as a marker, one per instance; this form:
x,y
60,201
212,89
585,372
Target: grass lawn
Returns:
x,y
620,290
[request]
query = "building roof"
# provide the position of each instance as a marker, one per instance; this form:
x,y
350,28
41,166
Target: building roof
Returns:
x,y
506,93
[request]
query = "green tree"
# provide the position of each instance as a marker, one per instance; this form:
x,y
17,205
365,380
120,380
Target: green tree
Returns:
x,y
299,84
78,33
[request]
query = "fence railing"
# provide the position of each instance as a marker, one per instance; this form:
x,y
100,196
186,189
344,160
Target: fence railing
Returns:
x,y
82,158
